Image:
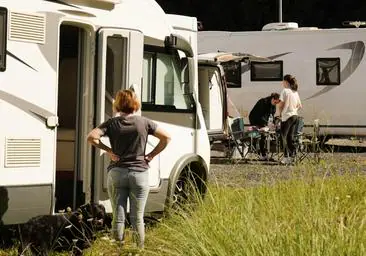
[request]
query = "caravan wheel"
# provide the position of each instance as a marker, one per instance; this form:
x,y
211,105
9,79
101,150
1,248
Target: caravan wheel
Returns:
x,y
188,189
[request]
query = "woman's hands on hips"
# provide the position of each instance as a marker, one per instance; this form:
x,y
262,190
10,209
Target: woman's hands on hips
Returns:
x,y
113,156
148,158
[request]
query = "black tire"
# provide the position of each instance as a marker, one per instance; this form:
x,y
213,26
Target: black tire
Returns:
x,y
188,189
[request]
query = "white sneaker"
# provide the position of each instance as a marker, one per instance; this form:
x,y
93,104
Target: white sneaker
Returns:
x,y
264,158
286,160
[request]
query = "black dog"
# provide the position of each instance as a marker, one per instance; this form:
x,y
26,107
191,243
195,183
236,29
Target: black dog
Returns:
x,y
47,233
95,218
8,236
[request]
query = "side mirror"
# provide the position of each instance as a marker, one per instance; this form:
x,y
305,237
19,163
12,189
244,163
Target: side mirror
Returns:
x,y
177,42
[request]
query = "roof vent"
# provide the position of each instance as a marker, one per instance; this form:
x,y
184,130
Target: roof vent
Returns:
x,y
280,26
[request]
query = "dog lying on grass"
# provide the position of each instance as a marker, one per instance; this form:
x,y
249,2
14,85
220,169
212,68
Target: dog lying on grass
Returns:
x,y
70,231
7,236
95,218
46,233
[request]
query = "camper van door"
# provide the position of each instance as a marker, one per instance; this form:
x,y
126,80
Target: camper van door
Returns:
x,y
119,66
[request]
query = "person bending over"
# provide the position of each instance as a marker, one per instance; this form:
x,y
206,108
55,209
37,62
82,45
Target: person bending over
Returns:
x,y
259,116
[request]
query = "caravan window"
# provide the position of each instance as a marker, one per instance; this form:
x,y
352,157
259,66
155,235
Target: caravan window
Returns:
x,y
147,85
328,71
3,19
266,71
115,62
162,88
232,74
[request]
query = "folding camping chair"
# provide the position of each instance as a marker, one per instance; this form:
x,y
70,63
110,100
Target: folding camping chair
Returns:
x,y
305,146
300,148
243,141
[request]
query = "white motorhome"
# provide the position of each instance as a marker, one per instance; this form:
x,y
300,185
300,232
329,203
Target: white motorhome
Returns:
x,y
61,62
328,64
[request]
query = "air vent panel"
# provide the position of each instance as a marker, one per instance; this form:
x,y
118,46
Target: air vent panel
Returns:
x,y
27,27
22,153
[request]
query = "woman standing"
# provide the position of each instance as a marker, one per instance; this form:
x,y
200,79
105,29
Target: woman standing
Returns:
x,y
289,105
128,175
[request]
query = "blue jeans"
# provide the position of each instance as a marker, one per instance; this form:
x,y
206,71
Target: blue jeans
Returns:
x,y
125,183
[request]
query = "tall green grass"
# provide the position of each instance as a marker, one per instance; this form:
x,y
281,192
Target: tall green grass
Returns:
x,y
308,216
311,209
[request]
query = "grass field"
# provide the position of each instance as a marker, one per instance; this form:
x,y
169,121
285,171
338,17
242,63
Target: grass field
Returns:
x,y
310,209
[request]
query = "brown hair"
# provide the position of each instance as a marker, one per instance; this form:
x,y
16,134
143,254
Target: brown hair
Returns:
x,y
126,101
291,81
275,96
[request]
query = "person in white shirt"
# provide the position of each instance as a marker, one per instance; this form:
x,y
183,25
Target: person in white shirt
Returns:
x,y
289,106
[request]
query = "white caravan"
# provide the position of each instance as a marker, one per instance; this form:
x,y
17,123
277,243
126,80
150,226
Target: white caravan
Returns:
x,y
61,62
328,64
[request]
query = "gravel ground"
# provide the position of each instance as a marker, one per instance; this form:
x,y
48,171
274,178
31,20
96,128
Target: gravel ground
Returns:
x,y
240,174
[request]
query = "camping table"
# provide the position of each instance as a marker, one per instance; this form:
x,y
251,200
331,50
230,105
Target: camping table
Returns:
x,y
272,136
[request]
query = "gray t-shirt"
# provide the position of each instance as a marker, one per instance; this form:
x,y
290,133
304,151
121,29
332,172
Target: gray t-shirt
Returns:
x,y
128,137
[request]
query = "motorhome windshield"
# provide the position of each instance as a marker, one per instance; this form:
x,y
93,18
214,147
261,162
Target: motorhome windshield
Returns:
x,y
3,15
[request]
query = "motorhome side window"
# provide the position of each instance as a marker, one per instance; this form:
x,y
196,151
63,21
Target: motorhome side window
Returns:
x,y
328,71
232,74
266,71
162,87
116,50
3,19
148,95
